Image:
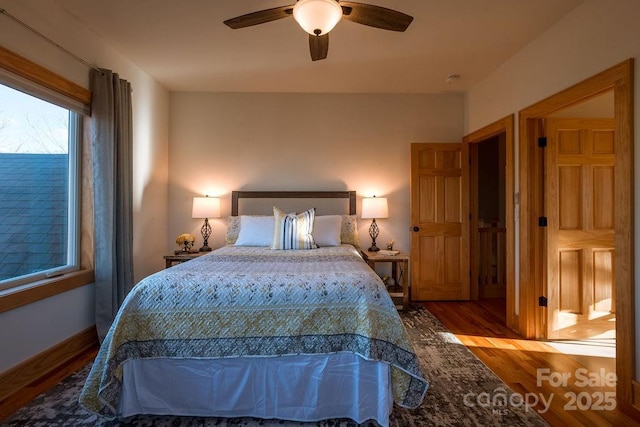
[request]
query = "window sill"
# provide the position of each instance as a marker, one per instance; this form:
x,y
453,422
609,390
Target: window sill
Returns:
x,y
17,297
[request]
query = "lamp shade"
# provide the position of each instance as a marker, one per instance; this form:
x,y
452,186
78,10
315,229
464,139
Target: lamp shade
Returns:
x,y
205,207
375,207
317,17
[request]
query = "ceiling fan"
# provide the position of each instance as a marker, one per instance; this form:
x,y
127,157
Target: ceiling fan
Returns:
x,y
318,17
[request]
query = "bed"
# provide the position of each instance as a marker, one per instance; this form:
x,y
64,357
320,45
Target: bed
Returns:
x,y
249,331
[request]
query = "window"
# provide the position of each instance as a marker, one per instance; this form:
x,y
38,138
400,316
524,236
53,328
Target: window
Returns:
x,y
39,183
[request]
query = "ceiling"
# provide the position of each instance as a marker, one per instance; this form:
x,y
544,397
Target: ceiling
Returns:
x,y
186,47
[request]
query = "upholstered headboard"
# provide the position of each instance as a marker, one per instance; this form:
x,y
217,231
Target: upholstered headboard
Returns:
x,y
262,202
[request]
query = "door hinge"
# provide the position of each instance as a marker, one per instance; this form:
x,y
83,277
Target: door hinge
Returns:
x,y
542,301
542,141
542,221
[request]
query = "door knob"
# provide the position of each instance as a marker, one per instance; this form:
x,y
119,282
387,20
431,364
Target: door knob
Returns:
x,y
416,229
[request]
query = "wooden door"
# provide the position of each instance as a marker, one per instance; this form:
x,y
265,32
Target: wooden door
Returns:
x,y
439,222
579,200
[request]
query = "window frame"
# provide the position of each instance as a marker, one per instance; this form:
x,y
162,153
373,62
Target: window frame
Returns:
x,y
74,155
18,68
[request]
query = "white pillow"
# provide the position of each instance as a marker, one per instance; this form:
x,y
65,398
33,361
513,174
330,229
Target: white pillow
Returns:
x,y
255,231
326,230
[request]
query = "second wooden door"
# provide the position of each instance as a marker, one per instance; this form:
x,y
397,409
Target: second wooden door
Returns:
x,y
580,201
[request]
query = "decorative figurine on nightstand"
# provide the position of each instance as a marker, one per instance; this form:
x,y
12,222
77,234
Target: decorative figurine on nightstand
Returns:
x,y
390,246
185,241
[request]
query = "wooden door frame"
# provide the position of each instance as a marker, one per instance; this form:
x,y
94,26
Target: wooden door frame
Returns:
x,y
532,267
506,126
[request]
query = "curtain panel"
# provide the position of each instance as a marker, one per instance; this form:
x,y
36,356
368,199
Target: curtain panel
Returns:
x,y
112,144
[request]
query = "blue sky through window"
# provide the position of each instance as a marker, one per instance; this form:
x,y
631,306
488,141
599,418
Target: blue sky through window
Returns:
x,y
30,125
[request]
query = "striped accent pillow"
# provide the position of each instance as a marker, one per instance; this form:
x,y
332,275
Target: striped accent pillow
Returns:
x,y
293,231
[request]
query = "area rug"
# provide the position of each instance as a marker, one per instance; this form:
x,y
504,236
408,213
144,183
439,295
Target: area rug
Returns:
x,y
463,391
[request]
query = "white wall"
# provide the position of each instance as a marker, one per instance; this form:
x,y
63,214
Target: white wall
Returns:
x,y
595,36
229,141
31,329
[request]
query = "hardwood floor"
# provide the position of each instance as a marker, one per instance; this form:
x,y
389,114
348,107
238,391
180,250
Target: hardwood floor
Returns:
x,y
17,400
520,363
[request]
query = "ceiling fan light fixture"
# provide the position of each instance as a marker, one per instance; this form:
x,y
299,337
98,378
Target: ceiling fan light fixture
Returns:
x,y
317,17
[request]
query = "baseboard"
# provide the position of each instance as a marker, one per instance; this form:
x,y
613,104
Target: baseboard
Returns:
x,y
42,371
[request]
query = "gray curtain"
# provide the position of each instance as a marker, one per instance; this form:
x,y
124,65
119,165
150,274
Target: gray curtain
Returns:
x,y
112,147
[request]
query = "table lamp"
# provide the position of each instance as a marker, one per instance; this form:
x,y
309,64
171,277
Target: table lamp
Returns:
x,y
374,207
205,207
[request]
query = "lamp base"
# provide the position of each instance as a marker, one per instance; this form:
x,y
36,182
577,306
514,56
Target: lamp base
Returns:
x,y
206,233
373,233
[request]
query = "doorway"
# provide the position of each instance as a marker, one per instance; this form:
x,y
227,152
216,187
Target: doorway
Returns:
x,y
488,223
492,223
580,245
536,273
580,209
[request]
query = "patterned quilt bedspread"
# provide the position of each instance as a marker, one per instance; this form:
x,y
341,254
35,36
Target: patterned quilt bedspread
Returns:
x,y
249,301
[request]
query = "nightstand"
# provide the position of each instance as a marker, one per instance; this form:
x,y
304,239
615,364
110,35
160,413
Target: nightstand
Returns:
x,y
399,272
181,257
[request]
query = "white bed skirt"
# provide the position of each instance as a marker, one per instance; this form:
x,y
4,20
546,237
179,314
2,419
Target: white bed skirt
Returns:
x,y
297,388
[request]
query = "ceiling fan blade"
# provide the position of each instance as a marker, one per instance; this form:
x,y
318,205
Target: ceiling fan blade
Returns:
x,y
260,17
319,46
376,16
